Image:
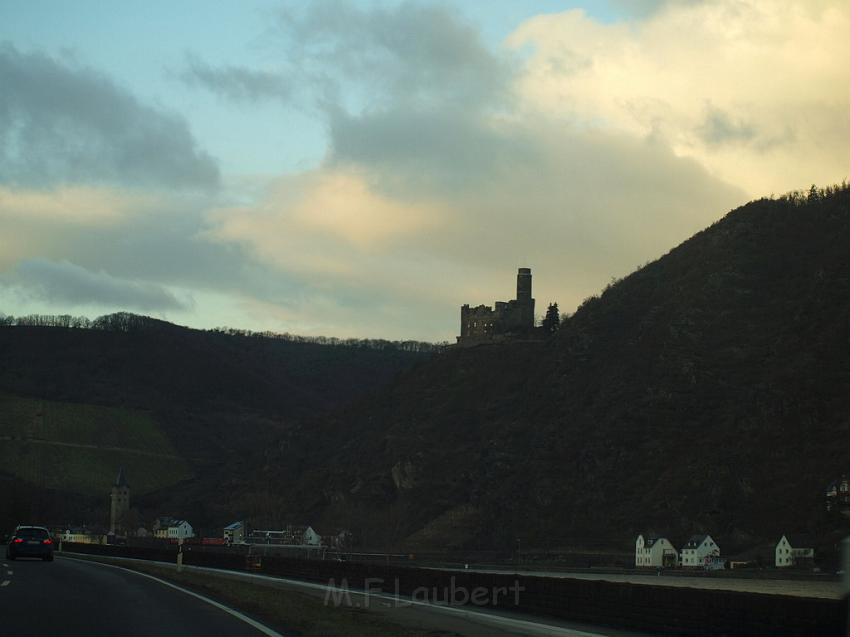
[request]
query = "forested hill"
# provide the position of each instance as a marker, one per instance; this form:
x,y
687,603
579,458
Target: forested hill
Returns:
x,y
216,399
151,364
707,392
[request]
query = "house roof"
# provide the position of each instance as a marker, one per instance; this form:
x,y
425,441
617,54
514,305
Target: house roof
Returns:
x,y
234,526
695,541
650,540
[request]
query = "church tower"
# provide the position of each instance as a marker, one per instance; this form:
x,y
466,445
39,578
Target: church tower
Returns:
x,y
119,504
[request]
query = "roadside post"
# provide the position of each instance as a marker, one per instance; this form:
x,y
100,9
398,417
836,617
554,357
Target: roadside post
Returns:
x,y
845,576
180,555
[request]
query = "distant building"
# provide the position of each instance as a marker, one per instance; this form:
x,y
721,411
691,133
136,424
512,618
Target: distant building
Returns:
x,y
305,536
838,496
697,549
82,535
335,538
655,551
790,553
483,323
234,533
179,530
119,504
160,526
168,528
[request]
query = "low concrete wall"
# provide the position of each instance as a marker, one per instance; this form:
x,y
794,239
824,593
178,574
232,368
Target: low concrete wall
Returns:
x,y
658,609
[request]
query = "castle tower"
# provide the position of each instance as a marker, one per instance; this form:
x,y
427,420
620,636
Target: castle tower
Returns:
x,y
523,285
119,503
524,300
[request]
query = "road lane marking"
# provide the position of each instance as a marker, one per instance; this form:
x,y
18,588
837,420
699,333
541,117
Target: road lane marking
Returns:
x,y
9,572
254,624
5,582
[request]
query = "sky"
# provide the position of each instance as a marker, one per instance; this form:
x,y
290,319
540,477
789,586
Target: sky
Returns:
x,y
358,168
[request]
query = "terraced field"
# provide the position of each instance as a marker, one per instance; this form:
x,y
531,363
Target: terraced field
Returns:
x,y
79,447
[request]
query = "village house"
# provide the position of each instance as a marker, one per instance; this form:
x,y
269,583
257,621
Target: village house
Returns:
x,y
655,551
838,495
82,536
168,528
697,549
234,533
788,555
160,526
335,538
304,535
181,529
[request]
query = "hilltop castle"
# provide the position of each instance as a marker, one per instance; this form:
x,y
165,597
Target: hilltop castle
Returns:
x,y
483,323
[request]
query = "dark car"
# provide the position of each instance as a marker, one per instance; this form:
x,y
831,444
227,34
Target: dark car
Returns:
x,y
30,541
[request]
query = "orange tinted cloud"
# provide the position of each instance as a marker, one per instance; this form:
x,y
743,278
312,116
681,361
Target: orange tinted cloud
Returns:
x,y
757,91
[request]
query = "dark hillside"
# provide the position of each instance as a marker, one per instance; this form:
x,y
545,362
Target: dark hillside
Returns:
x,y
220,399
708,391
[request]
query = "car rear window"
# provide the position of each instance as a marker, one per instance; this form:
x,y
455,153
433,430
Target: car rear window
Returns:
x,y
31,533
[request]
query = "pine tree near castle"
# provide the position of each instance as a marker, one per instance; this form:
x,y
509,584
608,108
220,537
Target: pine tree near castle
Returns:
x,y
552,320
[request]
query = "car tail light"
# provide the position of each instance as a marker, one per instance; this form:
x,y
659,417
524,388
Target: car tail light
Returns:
x,y
47,541
18,540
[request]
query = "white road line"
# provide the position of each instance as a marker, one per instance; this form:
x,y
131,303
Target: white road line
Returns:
x,y
5,582
254,624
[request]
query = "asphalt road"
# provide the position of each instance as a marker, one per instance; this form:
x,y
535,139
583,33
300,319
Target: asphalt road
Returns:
x,y
71,598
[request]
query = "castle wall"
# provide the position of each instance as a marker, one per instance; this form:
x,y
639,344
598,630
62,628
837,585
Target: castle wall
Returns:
x,y
483,323
478,322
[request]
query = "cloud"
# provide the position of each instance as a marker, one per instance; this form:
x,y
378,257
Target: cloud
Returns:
x,y
415,53
66,284
436,188
234,82
719,128
85,205
65,124
643,8
582,149
756,91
